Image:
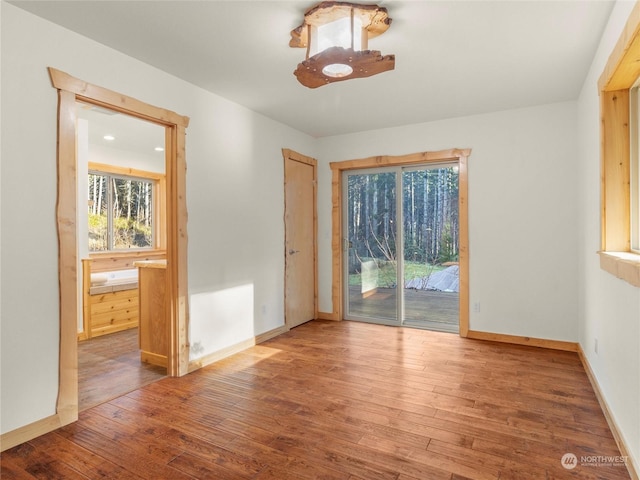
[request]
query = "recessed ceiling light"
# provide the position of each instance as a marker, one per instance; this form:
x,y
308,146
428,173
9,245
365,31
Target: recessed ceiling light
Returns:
x,y
109,137
159,149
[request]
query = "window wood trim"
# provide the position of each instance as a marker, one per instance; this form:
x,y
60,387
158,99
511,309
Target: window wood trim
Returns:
x,y
619,74
71,90
125,171
453,155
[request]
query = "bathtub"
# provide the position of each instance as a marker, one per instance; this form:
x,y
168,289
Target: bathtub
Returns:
x,y
113,281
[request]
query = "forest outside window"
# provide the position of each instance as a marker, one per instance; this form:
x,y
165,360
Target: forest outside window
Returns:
x,y
122,211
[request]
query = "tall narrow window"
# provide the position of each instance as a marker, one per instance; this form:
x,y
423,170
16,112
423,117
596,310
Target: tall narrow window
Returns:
x,y
121,212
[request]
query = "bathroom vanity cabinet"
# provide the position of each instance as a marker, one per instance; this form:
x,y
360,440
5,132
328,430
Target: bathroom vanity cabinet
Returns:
x,y
152,307
110,301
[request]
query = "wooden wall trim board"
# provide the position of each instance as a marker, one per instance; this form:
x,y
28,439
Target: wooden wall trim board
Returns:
x,y
177,239
616,195
86,300
622,67
238,347
463,242
263,337
30,431
520,340
613,425
623,265
66,215
337,256
423,158
127,171
113,100
329,316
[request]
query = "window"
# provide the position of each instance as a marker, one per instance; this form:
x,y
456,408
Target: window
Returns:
x,y
619,253
122,209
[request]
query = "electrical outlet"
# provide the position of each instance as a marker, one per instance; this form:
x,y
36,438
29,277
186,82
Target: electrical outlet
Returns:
x,y
595,345
476,307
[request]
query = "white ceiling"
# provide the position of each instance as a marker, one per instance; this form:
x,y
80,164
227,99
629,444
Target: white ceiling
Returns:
x,y
130,134
453,58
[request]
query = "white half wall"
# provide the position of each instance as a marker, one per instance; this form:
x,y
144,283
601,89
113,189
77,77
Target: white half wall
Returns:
x,y
609,308
235,202
522,212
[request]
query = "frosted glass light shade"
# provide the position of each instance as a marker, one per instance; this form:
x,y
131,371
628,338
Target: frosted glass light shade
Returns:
x,y
337,70
336,34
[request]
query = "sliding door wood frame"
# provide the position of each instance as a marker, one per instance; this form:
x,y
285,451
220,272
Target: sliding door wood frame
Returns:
x,y
459,156
70,90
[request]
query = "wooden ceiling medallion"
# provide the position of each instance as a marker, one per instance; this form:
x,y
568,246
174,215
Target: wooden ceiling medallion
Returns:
x,y
336,36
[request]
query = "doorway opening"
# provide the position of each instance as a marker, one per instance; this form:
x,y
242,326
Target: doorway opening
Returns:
x,y
400,241
402,266
122,207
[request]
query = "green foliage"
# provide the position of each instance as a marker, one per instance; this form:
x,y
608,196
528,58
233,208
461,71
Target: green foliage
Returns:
x,y
97,232
130,234
127,233
387,273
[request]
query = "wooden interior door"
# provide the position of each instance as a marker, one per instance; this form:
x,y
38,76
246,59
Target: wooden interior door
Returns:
x,y
300,238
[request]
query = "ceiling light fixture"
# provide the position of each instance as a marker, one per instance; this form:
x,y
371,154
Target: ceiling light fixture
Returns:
x,y
109,137
336,36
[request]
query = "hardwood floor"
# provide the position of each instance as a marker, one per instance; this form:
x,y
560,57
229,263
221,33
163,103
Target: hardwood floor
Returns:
x,y
343,401
109,366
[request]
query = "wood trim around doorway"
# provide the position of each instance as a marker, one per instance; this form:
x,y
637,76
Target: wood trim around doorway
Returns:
x,y
453,155
70,90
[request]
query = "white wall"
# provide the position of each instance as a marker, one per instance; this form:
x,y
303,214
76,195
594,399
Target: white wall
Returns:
x,y
522,212
234,198
609,309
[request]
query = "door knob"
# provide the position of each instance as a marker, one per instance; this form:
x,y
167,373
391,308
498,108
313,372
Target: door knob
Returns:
x,y
291,252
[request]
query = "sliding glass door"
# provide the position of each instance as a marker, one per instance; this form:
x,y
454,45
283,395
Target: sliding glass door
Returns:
x,y
371,268
402,246
430,248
